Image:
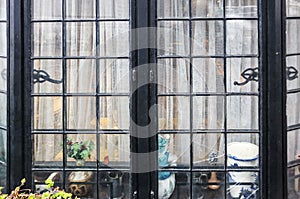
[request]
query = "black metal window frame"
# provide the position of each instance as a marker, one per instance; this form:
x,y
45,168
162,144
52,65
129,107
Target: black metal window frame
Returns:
x,y
272,77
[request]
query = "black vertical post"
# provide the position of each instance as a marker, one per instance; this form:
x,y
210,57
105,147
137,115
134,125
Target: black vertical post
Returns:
x,y
273,99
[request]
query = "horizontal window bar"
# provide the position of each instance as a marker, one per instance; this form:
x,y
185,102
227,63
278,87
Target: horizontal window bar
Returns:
x,y
291,18
292,54
291,91
293,127
208,94
3,92
3,128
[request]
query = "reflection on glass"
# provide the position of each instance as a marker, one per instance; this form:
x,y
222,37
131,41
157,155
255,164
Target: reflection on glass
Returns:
x,y
114,9
80,9
242,37
207,8
81,39
54,69
81,76
3,74
114,150
235,67
3,109
242,112
51,157
293,61
173,75
293,30
3,158
237,9
3,40
114,39
291,109
46,9
293,144
293,183
293,8
114,76
47,39
47,113
173,8
82,184
173,38
81,112
208,75
173,113
40,177
3,10
208,112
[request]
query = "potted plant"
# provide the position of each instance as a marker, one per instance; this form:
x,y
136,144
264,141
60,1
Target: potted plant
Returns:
x,y
80,151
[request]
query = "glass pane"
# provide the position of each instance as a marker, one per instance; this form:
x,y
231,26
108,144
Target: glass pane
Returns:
x,y
3,109
3,40
40,177
238,8
46,9
82,184
114,76
3,74
242,112
235,69
208,112
81,76
208,75
293,182
81,39
292,37
114,9
53,156
173,38
173,75
293,8
208,150
114,184
172,8
207,8
54,69
47,113
114,39
293,65
80,9
173,113
47,39
292,109
3,159
243,137
114,151
81,150
293,144
242,37
81,112
114,113
3,10
207,38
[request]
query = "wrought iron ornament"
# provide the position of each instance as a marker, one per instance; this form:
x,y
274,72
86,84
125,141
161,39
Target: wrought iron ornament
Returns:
x,y
291,73
41,76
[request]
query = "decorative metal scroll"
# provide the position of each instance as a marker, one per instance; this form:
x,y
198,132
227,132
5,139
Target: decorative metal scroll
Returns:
x,y
41,76
3,74
251,74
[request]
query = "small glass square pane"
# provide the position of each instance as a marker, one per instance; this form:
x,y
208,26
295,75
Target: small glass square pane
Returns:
x,y
242,37
82,184
3,39
114,113
208,75
242,112
46,9
293,182
114,9
208,150
292,36
114,151
239,9
81,39
239,67
39,178
172,9
293,65
114,39
48,150
114,76
81,76
173,38
81,113
47,113
208,112
173,113
292,8
3,160
173,76
3,10
207,38
3,74
207,9
243,137
81,150
292,109
293,146
44,67
3,108
47,39
80,9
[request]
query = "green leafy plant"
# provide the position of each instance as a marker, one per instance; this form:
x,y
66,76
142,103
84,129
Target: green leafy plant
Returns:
x,y
79,150
19,193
